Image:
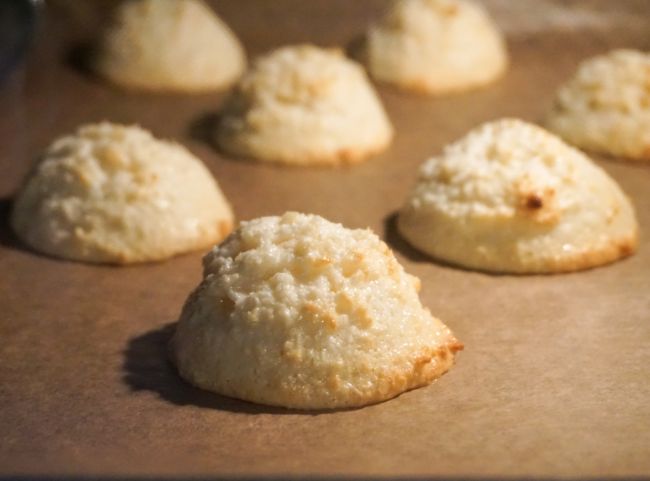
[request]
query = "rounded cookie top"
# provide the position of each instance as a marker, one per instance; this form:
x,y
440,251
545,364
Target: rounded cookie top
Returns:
x,y
435,46
511,197
300,312
304,105
605,106
115,194
169,45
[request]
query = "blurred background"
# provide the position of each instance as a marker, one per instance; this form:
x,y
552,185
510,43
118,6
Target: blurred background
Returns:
x,y
17,23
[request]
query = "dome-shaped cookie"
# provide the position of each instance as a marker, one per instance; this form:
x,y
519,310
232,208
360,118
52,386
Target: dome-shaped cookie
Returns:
x,y
605,107
435,46
169,45
304,105
300,312
510,197
115,194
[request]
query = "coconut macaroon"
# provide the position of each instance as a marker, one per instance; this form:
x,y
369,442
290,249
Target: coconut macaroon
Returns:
x,y
115,194
304,105
169,45
435,46
605,107
297,311
511,197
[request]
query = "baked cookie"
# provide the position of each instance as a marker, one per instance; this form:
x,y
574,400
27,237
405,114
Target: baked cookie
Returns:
x,y
300,312
115,194
169,45
511,197
605,107
304,105
435,46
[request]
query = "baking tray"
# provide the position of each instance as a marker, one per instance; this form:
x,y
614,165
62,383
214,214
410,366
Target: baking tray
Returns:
x,y
555,377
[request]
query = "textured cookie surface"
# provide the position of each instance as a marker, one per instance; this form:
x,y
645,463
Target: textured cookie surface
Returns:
x,y
435,46
115,194
511,197
300,312
169,45
304,105
605,107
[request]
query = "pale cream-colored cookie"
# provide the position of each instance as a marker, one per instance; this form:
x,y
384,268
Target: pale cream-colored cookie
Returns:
x,y
115,194
435,46
511,197
169,45
300,312
605,107
304,105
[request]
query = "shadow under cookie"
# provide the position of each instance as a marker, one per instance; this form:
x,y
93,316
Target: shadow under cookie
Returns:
x,y
147,367
202,129
398,243
8,238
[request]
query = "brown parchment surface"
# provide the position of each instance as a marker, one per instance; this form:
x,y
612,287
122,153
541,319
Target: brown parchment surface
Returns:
x,y
555,377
